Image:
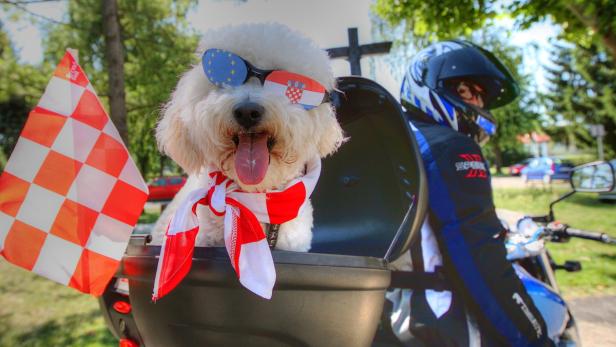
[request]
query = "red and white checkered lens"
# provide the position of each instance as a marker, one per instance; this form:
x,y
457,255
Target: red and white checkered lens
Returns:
x,y
298,88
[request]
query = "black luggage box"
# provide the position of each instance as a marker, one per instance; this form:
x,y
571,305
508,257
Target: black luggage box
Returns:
x,y
368,205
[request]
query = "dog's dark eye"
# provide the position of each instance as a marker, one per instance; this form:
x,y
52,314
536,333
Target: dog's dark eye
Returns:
x,y
236,140
270,143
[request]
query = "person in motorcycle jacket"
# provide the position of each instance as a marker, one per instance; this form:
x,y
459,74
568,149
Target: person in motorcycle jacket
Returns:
x,y
447,92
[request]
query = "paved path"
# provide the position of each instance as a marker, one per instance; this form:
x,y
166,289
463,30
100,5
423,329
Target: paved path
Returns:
x,y
595,316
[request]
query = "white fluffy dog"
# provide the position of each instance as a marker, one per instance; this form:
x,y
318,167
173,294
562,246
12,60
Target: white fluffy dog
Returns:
x,y
202,131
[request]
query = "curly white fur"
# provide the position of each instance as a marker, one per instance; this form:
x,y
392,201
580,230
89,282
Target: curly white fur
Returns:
x,y
197,126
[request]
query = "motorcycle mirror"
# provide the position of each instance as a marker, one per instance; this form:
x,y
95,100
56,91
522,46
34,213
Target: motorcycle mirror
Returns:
x,y
593,177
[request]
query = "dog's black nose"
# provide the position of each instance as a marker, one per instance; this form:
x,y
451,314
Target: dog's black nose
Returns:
x,y
248,114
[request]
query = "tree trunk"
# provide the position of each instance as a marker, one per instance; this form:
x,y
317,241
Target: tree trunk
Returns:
x,y
161,170
143,164
498,157
114,56
609,40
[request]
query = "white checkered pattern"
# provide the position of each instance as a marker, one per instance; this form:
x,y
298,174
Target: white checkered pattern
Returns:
x,y
61,96
70,193
76,139
58,259
91,188
5,223
40,208
33,155
108,237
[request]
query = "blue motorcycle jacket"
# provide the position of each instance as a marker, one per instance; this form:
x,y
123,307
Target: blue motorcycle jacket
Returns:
x,y
460,238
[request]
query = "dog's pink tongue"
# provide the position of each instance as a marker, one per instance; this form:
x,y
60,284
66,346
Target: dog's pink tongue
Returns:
x,y
252,158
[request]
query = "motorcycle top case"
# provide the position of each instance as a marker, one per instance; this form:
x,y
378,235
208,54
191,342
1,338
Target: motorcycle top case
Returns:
x,y
368,206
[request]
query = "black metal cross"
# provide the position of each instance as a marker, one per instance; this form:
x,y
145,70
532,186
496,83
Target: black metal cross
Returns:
x,y
354,51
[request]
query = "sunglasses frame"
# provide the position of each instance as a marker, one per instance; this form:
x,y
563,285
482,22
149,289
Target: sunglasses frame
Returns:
x,y
261,74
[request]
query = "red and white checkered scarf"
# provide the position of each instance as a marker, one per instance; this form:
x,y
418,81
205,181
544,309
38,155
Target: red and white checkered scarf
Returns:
x,y
244,237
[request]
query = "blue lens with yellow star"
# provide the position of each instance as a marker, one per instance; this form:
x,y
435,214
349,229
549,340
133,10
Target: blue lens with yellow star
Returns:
x,y
224,68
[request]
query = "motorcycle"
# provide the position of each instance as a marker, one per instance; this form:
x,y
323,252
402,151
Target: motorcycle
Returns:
x,y
533,263
369,205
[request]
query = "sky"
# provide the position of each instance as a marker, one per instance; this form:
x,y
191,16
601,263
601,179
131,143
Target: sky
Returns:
x,y
325,21
26,36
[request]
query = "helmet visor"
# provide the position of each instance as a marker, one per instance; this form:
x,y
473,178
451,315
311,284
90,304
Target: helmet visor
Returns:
x,y
473,63
472,119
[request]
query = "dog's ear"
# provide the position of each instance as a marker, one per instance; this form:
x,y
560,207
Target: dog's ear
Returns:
x,y
331,135
172,137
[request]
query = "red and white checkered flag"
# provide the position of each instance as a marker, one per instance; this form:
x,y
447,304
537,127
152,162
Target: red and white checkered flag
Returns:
x,y
70,194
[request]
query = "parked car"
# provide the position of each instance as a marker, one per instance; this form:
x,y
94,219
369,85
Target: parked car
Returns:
x,y
165,187
547,169
516,169
611,195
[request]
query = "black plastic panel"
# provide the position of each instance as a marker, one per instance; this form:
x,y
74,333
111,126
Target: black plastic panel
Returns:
x,y
372,190
315,301
122,325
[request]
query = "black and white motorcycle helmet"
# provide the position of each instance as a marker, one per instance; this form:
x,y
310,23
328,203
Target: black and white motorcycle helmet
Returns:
x,y
434,74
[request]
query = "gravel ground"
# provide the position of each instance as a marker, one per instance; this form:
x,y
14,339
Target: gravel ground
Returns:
x,y
517,182
595,316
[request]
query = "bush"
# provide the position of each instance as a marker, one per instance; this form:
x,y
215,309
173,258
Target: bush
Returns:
x,y
579,158
514,155
510,155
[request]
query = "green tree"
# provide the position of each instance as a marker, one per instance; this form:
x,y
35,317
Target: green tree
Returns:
x,y
581,20
516,118
582,85
428,21
157,45
21,85
519,116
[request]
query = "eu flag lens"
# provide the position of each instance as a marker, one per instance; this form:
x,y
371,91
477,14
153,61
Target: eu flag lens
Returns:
x,y
224,68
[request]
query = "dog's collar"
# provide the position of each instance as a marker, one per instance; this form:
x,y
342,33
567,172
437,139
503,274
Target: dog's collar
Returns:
x,y
271,230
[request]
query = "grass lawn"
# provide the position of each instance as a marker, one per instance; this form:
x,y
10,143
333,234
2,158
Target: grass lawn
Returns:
x,y
148,217
35,311
583,211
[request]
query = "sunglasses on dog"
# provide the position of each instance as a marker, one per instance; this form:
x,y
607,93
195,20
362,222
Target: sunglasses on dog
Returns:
x,y
226,69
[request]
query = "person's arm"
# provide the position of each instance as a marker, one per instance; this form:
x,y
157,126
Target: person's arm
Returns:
x,y
465,224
